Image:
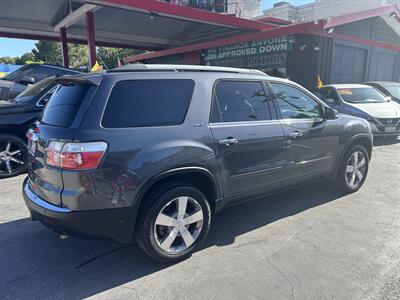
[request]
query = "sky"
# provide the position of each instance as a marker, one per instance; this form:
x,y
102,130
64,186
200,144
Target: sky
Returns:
x,y
17,47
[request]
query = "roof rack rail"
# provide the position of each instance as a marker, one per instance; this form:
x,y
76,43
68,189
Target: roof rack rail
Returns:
x,y
181,68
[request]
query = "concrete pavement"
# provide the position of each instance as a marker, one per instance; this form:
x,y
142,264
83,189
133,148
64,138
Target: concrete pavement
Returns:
x,y
309,243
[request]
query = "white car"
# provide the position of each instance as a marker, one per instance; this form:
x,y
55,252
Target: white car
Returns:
x,y
366,102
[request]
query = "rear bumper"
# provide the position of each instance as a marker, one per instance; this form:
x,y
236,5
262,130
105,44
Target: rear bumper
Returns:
x,y
116,224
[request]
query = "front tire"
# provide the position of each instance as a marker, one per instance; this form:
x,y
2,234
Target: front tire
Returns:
x,y
13,156
175,223
353,170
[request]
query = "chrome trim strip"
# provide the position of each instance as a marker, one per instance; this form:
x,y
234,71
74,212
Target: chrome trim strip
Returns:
x,y
258,171
311,160
52,90
243,123
264,122
38,201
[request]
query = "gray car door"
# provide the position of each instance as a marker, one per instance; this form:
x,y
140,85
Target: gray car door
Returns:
x,y
313,140
248,140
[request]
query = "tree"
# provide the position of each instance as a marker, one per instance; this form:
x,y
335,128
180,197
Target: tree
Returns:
x,y
49,52
78,55
7,60
26,58
109,56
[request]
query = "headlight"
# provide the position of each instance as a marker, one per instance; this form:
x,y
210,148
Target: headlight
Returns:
x,y
364,116
369,119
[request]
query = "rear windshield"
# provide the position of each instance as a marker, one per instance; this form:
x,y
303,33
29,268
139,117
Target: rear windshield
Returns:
x,y
140,103
64,105
34,90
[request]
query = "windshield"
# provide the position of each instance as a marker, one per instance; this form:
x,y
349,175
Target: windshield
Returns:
x,y
33,90
393,89
361,95
13,76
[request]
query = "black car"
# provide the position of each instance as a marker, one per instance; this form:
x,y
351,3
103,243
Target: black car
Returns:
x,y
14,83
16,117
390,89
152,152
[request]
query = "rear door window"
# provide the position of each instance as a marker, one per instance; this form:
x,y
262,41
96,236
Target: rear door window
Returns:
x,y
64,105
240,101
141,103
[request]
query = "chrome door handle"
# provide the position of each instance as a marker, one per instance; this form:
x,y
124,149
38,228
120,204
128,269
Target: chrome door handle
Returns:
x,y
228,141
295,134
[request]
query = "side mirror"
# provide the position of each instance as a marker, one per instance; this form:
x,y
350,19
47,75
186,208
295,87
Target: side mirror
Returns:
x,y
330,113
27,80
330,101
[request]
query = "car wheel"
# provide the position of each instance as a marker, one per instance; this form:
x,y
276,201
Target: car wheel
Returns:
x,y
354,169
175,224
13,156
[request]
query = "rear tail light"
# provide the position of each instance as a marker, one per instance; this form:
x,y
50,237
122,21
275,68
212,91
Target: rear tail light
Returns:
x,y
75,156
54,154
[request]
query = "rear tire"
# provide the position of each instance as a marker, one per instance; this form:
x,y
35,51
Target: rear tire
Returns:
x,y
353,170
174,223
13,156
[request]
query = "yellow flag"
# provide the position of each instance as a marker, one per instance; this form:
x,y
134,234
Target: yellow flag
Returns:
x,y
319,83
96,67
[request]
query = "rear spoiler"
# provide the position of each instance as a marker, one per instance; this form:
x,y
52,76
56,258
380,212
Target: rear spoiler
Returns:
x,y
92,79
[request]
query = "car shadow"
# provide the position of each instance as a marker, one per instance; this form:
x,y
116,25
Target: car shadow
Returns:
x,y
36,264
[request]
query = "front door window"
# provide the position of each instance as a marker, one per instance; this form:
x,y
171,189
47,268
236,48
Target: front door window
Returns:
x,y
295,104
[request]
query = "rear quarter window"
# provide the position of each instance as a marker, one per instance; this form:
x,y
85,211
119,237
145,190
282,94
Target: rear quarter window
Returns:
x,y
64,105
142,103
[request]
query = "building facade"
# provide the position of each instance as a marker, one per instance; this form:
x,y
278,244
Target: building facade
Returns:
x,y
352,48
320,9
247,9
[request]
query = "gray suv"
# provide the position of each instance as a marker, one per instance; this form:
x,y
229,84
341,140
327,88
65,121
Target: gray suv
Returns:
x,y
151,152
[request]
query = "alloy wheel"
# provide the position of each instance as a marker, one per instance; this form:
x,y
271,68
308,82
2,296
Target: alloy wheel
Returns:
x,y
355,169
178,225
11,157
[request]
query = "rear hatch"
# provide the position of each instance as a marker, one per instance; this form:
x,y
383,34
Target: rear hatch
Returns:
x,y
59,122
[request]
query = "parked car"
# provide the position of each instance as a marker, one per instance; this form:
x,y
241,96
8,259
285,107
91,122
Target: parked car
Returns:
x,y
365,102
389,89
152,152
16,117
14,83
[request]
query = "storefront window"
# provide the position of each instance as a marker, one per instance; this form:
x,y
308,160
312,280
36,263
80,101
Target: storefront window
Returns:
x,y
276,72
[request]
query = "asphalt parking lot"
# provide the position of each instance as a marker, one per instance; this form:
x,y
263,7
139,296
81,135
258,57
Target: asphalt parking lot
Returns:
x,y
309,243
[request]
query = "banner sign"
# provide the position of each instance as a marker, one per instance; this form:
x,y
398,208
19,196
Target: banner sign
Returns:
x,y
253,54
